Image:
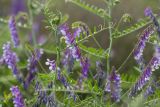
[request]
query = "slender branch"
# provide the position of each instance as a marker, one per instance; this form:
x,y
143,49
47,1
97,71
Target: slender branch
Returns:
x,y
31,22
125,61
110,34
91,35
76,91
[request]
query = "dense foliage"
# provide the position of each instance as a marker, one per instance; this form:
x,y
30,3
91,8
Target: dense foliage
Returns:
x,y
45,61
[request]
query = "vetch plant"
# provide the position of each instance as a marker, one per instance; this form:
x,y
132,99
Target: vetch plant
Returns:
x,y
55,64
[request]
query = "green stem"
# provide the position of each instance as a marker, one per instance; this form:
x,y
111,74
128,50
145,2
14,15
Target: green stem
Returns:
x,y
110,34
91,35
125,61
31,22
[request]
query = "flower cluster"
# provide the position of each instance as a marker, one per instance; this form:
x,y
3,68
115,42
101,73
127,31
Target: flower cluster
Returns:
x,y
148,12
138,51
113,85
43,97
68,60
33,60
32,66
85,66
18,6
13,30
65,83
52,64
17,100
100,75
73,47
10,58
149,91
147,72
70,41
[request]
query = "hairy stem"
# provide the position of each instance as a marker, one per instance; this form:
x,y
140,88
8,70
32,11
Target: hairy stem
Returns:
x,y
110,34
31,22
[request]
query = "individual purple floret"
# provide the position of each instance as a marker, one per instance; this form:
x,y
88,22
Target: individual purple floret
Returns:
x,y
138,51
18,99
76,52
113,85
13,31
52,64
18,6
85,66
148,12
77,32
10,58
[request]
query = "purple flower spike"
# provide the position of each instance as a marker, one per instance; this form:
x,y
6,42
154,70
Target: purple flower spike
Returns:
x,y
52,64
32,66
85,66
13,31
138,51
77,32
113,85
65,30
70,41
10,58
33,60
18,6
149,91
147,72
76,52
68,60
148,12
17,100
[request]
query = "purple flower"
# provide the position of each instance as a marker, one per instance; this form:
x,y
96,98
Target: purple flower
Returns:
x,y
113,85
10,58
13,31
70,41
77,32
138,51
18,99
76,52
52,64
68,60
148,12
44,97
100,75
147,72
32,66
65,30
149,91
33,60
18,6
85,66
64,81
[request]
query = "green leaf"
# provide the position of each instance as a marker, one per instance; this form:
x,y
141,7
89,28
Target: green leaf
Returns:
x,y
91,8
95,52
140,24
49,48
